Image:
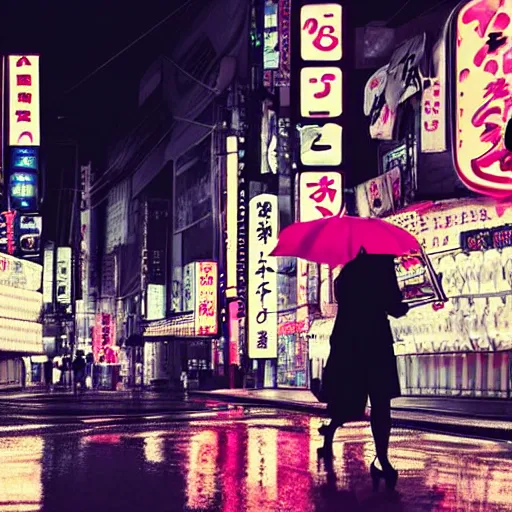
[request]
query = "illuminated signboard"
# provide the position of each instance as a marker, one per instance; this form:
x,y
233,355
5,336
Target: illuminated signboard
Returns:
x,y
271,38
283,73
24,129
262,282
318,71
7,238
206,304
103,342
64,275
23,191
483,44
433,104
231,215
25,158
320,195
18,273
234,334
320,145
28,235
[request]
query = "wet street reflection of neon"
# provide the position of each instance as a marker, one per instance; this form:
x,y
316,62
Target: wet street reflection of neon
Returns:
x,y
249,461
21,473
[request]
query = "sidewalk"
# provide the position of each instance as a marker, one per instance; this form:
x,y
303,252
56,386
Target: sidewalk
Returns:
x,y
471,417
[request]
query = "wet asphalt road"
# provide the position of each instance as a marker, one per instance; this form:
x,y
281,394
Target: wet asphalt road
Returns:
x,y
207,456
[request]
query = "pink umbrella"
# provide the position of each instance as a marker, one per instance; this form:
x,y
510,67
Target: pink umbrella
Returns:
x,y
337,240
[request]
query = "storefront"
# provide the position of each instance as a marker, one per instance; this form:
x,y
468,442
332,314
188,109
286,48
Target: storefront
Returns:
x,y
458,348
292,352
21,333
171,347
187,342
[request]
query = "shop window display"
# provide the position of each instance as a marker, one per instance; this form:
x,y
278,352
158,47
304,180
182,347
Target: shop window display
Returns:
x,y
478,314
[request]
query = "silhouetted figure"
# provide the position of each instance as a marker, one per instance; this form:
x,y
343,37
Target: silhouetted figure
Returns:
x,y
79,372
362,362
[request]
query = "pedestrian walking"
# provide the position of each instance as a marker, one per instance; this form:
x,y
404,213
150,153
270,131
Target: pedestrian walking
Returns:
x,y
48,374
184,380
361,362
78,366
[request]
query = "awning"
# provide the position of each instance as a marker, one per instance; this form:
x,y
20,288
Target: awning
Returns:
x,y
39,359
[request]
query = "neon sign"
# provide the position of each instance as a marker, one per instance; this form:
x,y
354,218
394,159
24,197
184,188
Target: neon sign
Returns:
x,y
483,66
24,129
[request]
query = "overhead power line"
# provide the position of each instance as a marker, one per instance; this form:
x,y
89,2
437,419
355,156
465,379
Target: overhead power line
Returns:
x,y
398,12
133,43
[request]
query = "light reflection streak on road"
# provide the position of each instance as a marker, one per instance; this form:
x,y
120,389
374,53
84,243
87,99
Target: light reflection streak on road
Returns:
x,y
245,462
21,473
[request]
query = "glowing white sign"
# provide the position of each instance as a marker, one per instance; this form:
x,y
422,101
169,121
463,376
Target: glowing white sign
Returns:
x,y
231,215
321,92
262,282
321,27
205,308
321,195
321,145
24,116
483,71
433,105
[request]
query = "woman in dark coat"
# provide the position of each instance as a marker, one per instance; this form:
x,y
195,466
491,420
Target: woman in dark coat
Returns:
x,y
362,362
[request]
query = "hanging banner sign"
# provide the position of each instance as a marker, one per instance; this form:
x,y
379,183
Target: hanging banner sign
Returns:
x,y
24,125
262,282
433,104
320,79
206,308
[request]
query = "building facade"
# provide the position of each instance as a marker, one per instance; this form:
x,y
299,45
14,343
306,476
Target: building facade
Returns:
x,y
22,354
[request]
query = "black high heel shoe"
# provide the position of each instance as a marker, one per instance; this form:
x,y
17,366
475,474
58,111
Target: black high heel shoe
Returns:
x,y
389,475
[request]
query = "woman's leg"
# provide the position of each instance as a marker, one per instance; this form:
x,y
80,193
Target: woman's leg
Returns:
x,y
381,429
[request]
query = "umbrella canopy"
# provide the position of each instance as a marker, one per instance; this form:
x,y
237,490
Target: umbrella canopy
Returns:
x,y
337,240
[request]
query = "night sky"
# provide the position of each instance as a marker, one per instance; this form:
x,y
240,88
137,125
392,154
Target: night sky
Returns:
x,y
75,37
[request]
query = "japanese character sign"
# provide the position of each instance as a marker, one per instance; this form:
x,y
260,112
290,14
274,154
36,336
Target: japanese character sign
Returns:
x,y
321,195
433,104
404,78
262,283
321,92
104,339
483,76
24,128
321,145
321,32
205,310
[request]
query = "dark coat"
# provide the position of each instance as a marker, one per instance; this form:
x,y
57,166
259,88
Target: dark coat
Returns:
x,y
362,361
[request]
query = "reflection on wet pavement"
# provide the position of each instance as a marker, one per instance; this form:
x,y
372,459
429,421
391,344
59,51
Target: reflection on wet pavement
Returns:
x,y
247,460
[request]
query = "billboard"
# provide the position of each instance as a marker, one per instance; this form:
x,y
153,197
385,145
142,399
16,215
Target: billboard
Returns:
x,y
63,278
24,122
482,68
28,230
206,300
231,215
25,158
23,191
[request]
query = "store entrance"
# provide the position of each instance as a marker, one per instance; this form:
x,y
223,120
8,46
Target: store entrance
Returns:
x,y
292,357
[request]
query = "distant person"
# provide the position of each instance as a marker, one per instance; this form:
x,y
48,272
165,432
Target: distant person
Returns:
x,y
184,380
48,374
78,366
362,362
